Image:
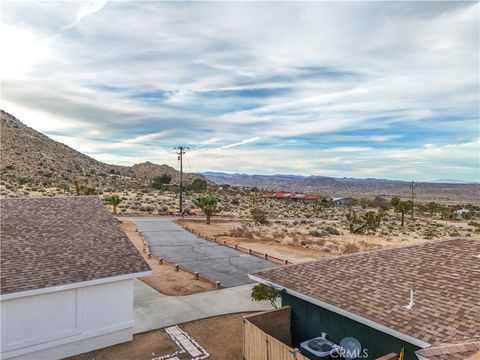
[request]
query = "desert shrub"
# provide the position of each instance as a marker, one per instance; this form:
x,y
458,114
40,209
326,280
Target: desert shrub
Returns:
x,y
259,216
350,248
332,230
474,223
317,233
279,235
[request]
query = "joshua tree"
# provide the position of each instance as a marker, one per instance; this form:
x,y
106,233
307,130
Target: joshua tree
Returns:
x,y
402,207
432,207
370,221
208,204
76,185
373,219
353,221
364,203
114,200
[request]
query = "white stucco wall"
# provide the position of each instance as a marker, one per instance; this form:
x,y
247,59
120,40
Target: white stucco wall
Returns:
x,y
66,322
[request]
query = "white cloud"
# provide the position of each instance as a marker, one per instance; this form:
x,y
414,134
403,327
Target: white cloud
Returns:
x,y
90,8
243,142
373,78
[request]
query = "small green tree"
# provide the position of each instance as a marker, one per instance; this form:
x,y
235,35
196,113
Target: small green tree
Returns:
x,y
259,216
262,292
114,200
159,181
208,204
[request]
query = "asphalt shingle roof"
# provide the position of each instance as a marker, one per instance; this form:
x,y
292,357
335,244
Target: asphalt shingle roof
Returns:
x,y
460,351
444,275
57,241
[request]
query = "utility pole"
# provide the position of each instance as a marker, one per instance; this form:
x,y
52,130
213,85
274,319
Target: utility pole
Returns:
x,y
181,152
413,195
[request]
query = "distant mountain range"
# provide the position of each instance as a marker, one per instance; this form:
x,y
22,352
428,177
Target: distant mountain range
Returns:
x,y
339,187
451,181
31,157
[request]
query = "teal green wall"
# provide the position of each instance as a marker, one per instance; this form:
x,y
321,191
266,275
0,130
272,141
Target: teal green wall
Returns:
x,y
309,321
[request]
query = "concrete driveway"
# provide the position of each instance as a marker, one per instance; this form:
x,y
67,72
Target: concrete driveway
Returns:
x,y
153,310
169,241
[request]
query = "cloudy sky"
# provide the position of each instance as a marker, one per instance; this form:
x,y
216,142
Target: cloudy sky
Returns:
x,y
363,89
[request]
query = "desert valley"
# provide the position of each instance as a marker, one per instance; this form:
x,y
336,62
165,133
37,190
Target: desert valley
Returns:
x,y
228,180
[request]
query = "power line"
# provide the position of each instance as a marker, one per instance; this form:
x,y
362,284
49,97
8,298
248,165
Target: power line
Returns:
x,y
188,162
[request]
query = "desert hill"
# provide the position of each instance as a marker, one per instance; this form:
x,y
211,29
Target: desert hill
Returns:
x,y
31,157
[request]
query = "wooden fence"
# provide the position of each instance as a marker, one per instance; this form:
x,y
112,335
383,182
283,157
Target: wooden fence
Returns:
x,y
258,345
238,247
266,336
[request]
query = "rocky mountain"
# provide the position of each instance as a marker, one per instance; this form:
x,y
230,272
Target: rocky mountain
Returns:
x,y
31,157
343,187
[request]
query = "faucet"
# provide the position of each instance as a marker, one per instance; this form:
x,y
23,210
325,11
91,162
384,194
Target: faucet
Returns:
x,y
324,335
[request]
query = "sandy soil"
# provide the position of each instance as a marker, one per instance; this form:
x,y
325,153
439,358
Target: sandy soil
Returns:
x,y
221,229
307,239
164,278
220,336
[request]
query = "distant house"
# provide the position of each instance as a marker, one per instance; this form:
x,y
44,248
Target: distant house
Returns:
x,y
67,274
368,296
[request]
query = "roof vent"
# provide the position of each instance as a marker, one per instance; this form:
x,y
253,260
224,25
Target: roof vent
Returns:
x,y
411,302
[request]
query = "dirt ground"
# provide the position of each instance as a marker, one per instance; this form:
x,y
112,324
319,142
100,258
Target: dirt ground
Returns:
x,y
164,278
220,336
309,239
221,229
